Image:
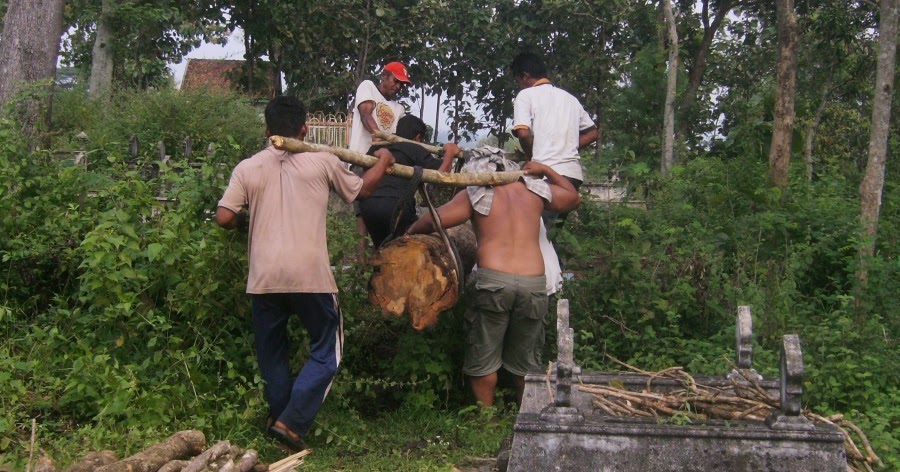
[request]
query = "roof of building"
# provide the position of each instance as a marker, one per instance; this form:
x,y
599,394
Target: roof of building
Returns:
x,y
218,75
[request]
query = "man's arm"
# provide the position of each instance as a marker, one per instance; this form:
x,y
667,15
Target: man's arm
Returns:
x,y
373,176
565,196
365,115
453,213
228,219
526,142
450,151
587,136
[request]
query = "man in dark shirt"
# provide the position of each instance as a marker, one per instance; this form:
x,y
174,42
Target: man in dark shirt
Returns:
x,y
398,193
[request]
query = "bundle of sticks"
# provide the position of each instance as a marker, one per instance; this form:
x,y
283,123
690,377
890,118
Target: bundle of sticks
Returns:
x,y
739,401
184,451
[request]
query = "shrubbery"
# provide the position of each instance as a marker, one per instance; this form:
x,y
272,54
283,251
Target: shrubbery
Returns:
x,y
124,317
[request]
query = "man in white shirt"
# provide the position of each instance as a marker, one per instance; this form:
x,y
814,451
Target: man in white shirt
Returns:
x,y
374,109
550,123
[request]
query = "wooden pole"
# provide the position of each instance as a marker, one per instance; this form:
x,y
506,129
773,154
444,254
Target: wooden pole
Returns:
x,y
406,172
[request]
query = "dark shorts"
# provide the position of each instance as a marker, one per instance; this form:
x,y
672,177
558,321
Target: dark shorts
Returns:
x,y
504,326
378,214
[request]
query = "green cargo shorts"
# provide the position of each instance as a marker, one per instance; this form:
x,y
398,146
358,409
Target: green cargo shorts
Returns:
x,y
504,326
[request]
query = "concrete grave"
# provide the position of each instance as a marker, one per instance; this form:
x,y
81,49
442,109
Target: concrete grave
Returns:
x,y
560,429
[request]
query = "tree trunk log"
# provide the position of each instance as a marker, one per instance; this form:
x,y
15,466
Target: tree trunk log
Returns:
x,y
180,445
668,152
783,127
246,462
872,187
415,274
207,457
173,466
28,53
428,175
93,461
102,57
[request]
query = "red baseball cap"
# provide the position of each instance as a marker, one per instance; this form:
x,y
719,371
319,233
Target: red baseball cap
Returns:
x,y
398,70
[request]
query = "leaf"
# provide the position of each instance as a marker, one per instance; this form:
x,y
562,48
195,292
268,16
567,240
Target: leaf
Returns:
x,y
153,250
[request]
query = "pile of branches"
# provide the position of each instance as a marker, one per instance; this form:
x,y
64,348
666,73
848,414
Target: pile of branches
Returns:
x,y
184,451
742,400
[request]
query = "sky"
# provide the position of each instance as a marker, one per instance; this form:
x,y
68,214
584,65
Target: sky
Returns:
x,y
234,49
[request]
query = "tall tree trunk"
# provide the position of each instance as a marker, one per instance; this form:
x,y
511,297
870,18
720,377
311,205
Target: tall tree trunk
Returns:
x,y
437,115
873,183
668,151
28,53
698,65
811,136
102,58
275,58
780,151
362,58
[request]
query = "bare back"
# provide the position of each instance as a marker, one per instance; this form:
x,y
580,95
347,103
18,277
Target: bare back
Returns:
x,y
508,237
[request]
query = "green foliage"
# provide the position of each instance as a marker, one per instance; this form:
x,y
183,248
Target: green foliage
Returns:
x,y
145,36
659,287
165,115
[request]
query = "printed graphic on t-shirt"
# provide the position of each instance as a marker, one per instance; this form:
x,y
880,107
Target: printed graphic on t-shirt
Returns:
x,y
385,115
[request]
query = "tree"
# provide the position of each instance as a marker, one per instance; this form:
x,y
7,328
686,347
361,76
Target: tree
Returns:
x,y
668,148
28,54
102,60
780,150
699,60
873,182
137,39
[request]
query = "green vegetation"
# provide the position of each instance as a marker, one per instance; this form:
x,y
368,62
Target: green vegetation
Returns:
x,y
123,319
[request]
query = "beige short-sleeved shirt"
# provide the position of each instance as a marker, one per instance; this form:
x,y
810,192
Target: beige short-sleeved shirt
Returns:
x,y
288,198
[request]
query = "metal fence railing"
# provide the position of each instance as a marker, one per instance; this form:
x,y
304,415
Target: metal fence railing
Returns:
x,y
331,129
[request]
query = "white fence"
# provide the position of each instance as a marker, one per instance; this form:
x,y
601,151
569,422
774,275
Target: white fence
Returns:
x,y
331,129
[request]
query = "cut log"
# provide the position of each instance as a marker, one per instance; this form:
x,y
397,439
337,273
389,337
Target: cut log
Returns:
x,y
173,466
416,275
208,456
178,446
246,462
428,175
93,461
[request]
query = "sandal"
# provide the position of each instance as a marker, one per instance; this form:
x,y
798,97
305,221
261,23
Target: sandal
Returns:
x,y
284,437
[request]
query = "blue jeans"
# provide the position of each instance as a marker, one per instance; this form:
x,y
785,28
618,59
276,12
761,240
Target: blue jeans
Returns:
x,y
296,402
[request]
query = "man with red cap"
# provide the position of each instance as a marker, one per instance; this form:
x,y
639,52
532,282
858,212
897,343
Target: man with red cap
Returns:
x,y
374,109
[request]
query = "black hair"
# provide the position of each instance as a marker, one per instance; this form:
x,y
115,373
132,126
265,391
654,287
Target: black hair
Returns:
x,y
285,116
531,63
411,126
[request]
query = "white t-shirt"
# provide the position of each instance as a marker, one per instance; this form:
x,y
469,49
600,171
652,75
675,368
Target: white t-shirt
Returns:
x,y
555,119
386,113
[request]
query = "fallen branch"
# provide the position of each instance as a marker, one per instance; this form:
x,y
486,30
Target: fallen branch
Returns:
x,y
180,445
93,461
700,402
406,172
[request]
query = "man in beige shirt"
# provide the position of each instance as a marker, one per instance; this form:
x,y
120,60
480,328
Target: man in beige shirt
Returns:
x,y
504,324
290,273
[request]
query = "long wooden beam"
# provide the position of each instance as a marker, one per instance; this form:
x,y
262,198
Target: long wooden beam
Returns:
x,y
430,176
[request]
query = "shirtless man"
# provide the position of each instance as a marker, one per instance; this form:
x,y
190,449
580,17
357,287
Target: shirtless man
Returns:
x,y
504,326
